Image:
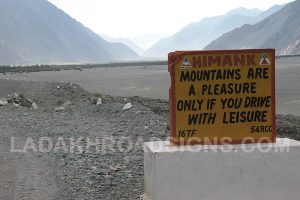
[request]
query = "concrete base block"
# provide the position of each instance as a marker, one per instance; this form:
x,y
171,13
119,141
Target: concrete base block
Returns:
x,y
216,172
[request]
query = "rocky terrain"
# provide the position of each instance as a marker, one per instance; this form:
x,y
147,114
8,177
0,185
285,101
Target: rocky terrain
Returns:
x,y
64,113
108,174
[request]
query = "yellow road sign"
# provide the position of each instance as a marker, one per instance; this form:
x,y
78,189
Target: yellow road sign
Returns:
x,y
221,97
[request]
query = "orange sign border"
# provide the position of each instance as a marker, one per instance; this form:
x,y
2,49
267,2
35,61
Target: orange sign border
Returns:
x,y
175,57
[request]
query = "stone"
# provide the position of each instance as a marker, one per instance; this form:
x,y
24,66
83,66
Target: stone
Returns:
x,y
34,106
101,172
66,104
25,102
59,109
127,106
3,102
99,102
16,105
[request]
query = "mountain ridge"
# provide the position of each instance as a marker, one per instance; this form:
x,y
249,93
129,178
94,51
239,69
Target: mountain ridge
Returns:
x,y
196,36
36,31
280,31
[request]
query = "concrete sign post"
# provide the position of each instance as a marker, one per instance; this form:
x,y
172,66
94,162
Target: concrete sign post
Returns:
x,y
219,97
268,171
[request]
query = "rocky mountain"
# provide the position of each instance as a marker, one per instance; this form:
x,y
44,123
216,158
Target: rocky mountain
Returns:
x,y
35,31
280,31
198,35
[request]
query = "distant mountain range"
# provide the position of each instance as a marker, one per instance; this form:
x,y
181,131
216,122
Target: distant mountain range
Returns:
x,y
131,44
280,31
37,32
198,35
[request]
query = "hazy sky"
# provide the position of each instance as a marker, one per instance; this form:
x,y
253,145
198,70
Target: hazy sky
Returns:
x,y
132,18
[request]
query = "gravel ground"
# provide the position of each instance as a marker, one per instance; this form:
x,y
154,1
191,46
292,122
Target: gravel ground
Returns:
x,y
114,172
112,169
